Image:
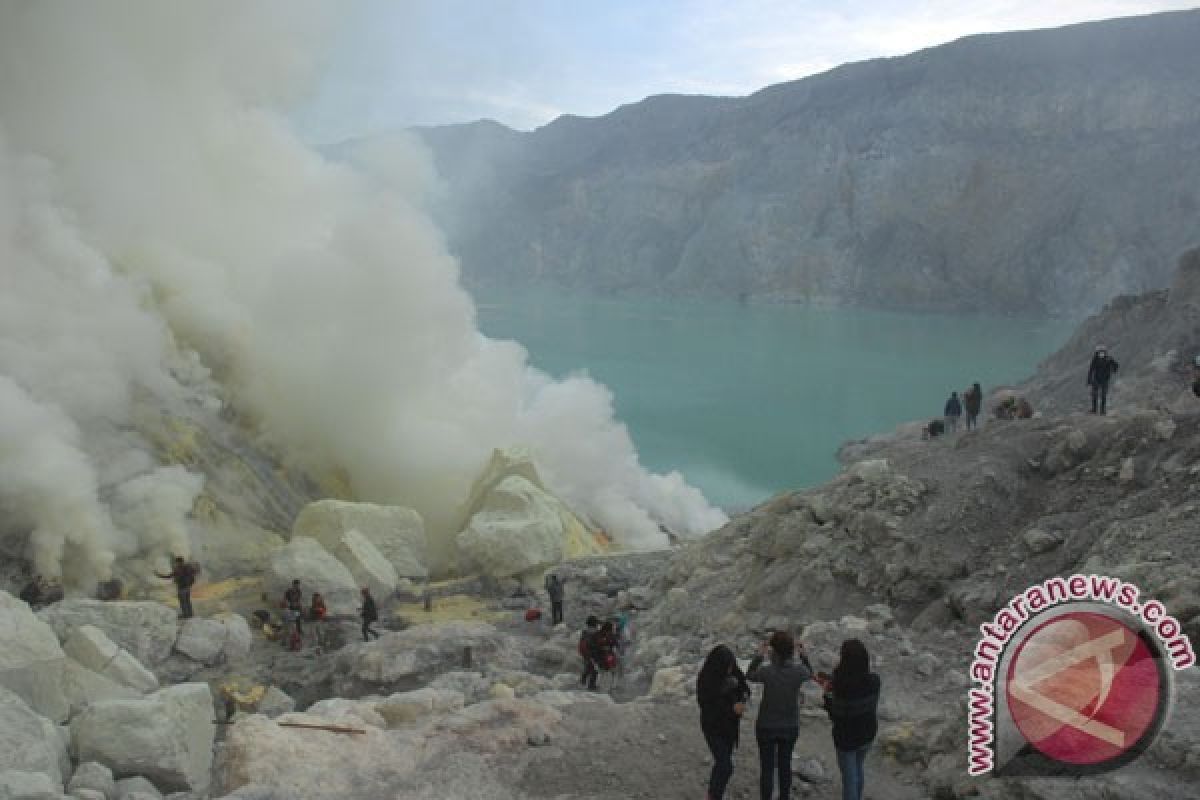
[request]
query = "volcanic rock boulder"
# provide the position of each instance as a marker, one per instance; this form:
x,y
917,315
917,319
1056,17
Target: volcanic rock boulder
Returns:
x,y
368,566
90,647
146,630
404,659
518,529
31,660
28,741
166,737
216,640
396,532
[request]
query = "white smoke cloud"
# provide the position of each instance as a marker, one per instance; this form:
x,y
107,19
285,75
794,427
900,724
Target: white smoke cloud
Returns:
x,y
170,189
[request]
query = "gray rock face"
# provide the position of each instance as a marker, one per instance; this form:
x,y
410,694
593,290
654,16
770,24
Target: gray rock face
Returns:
x,y
864,185
403,659
15,785
82,687
28,741
166,737
31,660
89,646
146,630
216,640
97,777
398,533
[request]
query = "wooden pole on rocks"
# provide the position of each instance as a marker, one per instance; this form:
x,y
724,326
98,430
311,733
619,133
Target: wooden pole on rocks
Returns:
x,y
312,726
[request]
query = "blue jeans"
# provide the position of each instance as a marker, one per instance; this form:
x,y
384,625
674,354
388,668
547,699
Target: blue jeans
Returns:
x,y
722,769
850,762
775,755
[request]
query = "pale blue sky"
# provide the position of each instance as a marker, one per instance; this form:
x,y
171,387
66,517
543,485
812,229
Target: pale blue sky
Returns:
x,y
523,62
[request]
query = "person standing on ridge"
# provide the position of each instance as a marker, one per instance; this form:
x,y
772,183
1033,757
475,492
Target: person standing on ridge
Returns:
x,y
554,588
973,398
851,700
184,575
369,615
778,723
587,647
721,691
293,601
1100,372
952,412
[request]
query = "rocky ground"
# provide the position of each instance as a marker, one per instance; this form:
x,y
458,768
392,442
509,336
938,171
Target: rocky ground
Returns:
x,y
912,546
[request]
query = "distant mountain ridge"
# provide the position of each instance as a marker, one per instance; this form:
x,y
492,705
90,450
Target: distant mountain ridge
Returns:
x,y
1041,171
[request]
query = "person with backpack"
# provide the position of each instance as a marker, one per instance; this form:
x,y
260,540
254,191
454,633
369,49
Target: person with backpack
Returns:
x,y
1100,372
852,701
778,723
554,588
952,411
184,576
317,613
973,403
369,615
293,601
587,649
721,692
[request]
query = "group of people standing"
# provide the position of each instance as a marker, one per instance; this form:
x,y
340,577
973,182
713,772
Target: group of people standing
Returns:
x,y
294,612
851,697
971,403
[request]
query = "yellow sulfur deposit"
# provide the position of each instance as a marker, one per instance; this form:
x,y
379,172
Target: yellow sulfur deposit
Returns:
x,y
448,609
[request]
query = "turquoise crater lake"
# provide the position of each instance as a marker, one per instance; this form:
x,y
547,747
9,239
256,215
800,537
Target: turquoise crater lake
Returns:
x,y
748,400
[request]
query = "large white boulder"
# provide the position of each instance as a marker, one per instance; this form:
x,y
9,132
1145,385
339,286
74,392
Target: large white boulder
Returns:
x,y
90,647
396,532
405,707
376,762
28,741
82,687
31,660
147,630
366,564
301,764
421,652
518,528
18,785
225,637
304,559
166,736
97,777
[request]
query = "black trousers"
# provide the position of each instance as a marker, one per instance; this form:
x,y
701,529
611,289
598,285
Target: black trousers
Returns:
x,y
775,756
590,673
367,631
1100,392
722,768
556,611
185,602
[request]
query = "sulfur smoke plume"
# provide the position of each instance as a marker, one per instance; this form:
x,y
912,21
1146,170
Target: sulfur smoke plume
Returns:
x,y
154,200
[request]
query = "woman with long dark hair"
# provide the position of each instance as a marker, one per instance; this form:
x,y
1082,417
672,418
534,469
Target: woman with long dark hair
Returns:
x,y
778,723
721,691
852,700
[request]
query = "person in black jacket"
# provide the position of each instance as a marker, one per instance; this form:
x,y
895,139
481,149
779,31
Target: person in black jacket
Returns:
x,y
369,615
184,575
1100,372
851,700
973,403
778,722
721,691
952,411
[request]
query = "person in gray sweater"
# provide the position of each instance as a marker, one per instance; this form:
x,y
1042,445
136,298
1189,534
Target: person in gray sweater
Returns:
x,y
786,668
